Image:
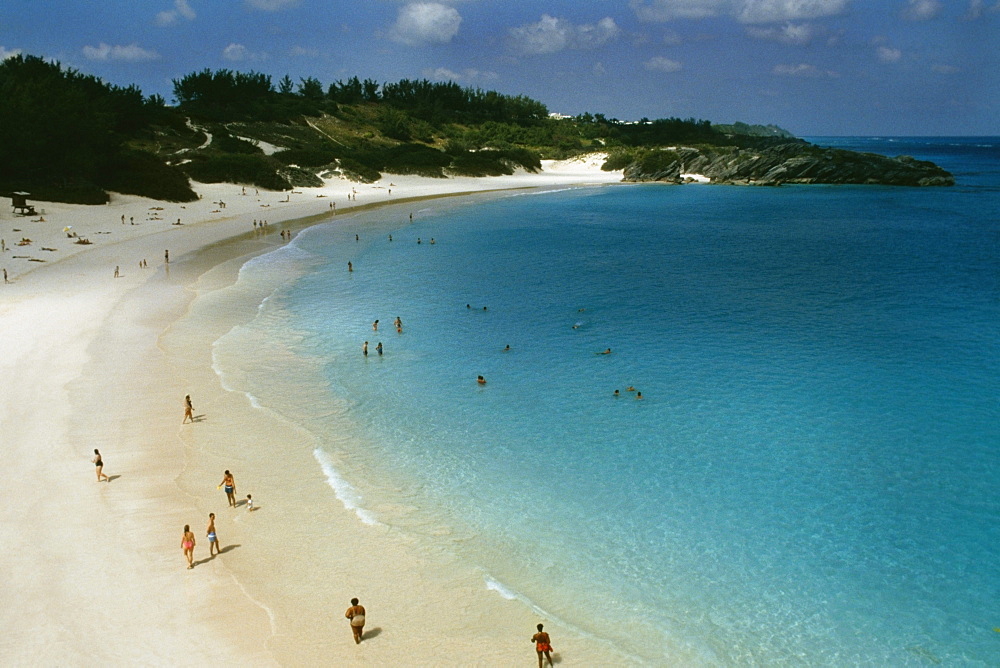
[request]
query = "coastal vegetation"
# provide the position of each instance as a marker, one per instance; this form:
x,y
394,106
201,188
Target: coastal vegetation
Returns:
x,y
69,136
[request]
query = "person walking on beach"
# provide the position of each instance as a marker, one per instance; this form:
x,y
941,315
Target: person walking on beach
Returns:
x,y
188,409
543,645
356,613
230,486
166,257
99,463
213,538
187,544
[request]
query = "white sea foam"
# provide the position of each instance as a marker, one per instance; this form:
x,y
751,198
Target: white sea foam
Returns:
x,y
345,493
493,585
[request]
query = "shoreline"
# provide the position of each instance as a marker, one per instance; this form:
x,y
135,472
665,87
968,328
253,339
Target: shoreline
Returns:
x,y
97,367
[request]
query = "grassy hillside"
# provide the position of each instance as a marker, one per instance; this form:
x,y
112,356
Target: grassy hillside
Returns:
x,y
70,137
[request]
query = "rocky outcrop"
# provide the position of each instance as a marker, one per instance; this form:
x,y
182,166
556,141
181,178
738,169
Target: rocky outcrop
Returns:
x,y
794,162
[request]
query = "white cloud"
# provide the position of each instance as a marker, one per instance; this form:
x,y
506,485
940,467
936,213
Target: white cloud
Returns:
x,y
945,69
181,10
8,53
131,53
790,33
552,34
770,11
671,38
238,52
425,23
303,51
271,5
921,10
887,54
978,7
658,11
465,76
661,64
599,70
744,11
802,70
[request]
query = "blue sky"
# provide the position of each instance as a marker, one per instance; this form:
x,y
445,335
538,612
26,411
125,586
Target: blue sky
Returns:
x,y
814,67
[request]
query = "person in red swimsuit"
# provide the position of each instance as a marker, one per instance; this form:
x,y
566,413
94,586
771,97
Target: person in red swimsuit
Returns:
x,y
543,645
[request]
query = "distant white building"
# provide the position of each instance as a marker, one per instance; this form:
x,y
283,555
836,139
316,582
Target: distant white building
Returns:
x,y
559,117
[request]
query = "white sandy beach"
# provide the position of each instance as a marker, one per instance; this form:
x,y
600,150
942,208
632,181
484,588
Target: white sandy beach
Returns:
x,y
94,573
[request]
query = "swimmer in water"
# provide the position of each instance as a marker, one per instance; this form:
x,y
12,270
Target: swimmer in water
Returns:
x,y
507,348
606,352
481,380
617,394
638,395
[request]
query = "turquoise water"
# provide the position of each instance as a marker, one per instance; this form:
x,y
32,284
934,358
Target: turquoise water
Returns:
x,y
811,476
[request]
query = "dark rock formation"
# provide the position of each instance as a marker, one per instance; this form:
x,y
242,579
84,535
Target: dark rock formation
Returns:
x,y
793,162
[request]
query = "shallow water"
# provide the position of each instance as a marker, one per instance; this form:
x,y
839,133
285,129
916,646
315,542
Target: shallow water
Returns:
x,y
811,474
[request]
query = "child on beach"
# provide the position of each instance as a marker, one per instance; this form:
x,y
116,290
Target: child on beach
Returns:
x,y
249,503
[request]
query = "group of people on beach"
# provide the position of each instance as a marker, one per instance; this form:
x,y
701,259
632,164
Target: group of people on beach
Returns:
x,y
188,541
356,613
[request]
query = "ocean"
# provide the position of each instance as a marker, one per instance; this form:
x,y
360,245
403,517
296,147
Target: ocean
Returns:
x,y
811,475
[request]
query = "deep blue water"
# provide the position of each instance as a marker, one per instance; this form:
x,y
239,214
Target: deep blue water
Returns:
x,y
811,477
